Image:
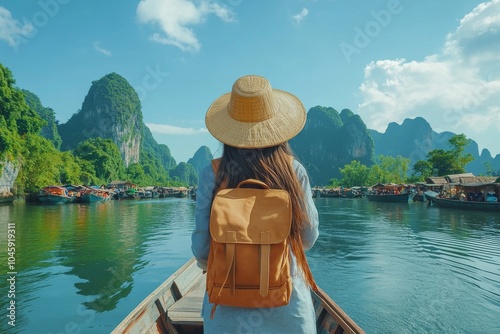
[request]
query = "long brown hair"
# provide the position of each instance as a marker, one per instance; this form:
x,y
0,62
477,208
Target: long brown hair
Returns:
x,y
273,166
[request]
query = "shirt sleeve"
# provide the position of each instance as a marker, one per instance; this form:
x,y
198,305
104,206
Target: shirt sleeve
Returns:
x,y
310,232
200,238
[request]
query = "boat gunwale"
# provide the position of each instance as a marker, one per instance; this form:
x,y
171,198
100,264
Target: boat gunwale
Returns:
x,y
336,312
151,299
332,309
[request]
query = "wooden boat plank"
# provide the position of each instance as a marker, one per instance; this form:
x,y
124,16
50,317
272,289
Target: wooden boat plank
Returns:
x,y
187,310
143,322
184,281
144,317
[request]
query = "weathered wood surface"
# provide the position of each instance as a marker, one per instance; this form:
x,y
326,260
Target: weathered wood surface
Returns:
x,y
187,311
149,315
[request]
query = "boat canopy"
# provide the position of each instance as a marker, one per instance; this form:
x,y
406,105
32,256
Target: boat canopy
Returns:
x,y
389,185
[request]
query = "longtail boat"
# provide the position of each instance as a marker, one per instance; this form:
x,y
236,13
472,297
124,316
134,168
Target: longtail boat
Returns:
x,y
390,192
175,307
480,196
54,195
91,195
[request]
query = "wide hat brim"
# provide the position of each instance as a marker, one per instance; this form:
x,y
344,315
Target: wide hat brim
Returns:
x,y
288,120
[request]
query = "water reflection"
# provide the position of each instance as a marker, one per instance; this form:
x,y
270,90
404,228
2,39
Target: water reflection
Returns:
x,y
393,268
34,242
411,263
103,249
77,263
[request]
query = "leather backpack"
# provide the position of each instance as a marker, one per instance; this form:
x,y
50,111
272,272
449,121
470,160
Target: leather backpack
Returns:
x,y
249,258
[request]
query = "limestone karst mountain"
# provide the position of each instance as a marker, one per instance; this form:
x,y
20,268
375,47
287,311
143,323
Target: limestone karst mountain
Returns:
x,y
331,140
414,138
112,110
201,158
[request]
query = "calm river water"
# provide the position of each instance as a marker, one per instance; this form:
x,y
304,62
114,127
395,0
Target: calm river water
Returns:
x,y
394,268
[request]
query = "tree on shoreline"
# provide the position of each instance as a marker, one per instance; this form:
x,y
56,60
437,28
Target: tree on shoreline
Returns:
x,y
354,174
441,162
387,170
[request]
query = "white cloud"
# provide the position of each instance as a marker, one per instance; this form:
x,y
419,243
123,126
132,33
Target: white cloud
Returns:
x,y
300,16
11,30
174,130
105,52
174,17
476,40
457,90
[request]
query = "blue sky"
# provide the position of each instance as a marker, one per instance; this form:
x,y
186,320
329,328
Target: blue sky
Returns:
x,y
385,60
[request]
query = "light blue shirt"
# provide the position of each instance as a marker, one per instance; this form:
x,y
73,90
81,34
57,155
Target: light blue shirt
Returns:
x,y
296,317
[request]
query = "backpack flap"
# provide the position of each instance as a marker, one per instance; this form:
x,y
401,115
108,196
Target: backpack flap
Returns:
x,y
251,213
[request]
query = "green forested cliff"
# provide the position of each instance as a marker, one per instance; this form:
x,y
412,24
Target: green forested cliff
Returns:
x,y
201,158
49,129
17,119
106,140
160,151
22,150
111,109
331,140
184,173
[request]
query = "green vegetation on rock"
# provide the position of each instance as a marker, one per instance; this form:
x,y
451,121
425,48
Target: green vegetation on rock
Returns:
x,y
331,140
17,119
201,158
415,138
111,109
104,155
49,129
184,173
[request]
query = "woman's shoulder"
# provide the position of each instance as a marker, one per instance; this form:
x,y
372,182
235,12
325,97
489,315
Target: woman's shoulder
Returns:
x,y
298,168
208,168
207,173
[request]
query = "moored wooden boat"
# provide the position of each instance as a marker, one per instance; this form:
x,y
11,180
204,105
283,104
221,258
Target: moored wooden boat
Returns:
x,y
330,193
398,193
429,195
354,192
53,199
91,195
397,198
462,204
179,192
54,195
453,203
175,307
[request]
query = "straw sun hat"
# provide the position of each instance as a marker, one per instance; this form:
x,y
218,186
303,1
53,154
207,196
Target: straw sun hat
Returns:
x,y
254,115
